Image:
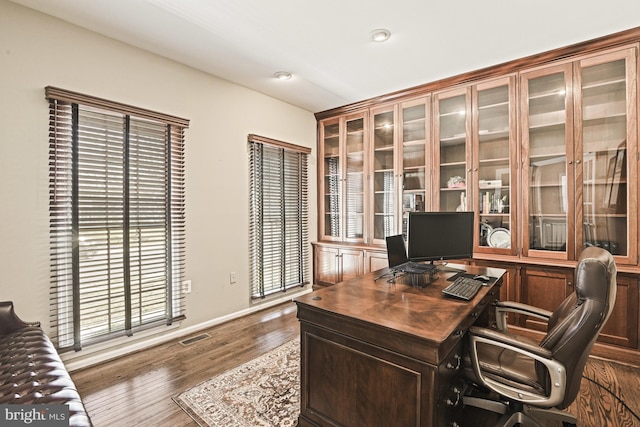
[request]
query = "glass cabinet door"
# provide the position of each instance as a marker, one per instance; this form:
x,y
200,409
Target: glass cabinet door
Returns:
x,y
547,144
414,119
342,149
383,122
331,180
451,151
494,160
355,179
605,110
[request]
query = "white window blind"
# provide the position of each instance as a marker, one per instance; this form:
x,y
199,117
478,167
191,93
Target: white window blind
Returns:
x,y
117,218
278,210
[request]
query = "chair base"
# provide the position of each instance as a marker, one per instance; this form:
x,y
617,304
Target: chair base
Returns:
x,y
516,413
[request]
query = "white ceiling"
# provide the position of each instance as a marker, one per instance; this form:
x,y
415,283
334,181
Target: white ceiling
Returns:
x,y
326,45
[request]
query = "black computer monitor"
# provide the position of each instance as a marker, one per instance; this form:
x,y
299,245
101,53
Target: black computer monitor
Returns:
x,y
440,235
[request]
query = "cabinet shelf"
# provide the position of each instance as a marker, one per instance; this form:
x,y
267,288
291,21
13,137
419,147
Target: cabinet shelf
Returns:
x,y
384,148
461,112
552,185
450,164
416,121
494,105
487,134
414,169
606,86
449,140
498,160
601,119
414,142
607,215
552,92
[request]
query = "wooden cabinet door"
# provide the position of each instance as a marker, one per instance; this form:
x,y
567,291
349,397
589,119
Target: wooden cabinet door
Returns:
x,y
351,263
334,264
383,209
546,289
622,326
327,269
342,145
414,158
494,160
374,261
452,151
330,180
547,164
606,153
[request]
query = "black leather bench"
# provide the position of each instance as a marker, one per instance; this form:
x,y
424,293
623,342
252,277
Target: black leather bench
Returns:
x,y
31,371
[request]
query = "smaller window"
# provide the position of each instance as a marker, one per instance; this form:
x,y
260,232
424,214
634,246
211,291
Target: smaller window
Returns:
x,y
278,216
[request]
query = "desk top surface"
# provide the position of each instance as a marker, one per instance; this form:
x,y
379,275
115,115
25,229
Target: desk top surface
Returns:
x,y
423,312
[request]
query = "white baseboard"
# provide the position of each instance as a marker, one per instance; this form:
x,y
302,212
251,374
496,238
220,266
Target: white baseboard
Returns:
x,y
100,353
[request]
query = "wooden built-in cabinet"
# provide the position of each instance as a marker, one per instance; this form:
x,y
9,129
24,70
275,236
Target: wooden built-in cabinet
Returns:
x,y
544,288
544,151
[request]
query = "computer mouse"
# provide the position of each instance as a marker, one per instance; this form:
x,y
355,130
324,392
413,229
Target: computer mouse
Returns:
x,y
482,277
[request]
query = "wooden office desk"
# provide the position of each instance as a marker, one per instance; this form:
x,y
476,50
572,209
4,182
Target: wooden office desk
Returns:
x,y
380,354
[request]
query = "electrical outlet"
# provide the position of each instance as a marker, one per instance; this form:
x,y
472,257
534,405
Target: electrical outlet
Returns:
x,y
232,277
186,286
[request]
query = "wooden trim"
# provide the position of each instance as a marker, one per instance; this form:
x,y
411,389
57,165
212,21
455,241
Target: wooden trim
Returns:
x,y
280,144
80,98
613,40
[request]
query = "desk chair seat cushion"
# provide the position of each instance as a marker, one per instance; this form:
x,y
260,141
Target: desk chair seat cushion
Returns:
x,y
506,366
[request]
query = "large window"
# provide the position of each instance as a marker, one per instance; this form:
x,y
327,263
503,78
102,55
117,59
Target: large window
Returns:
x,y
278,211
117,218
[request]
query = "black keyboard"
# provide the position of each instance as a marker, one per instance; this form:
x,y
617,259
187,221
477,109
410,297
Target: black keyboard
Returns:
x,y
463,287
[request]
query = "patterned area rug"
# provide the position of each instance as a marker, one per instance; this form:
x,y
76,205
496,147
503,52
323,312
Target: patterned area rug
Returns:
x,y
263,392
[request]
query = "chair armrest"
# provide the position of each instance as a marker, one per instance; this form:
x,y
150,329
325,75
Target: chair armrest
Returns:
x,y
9,320
504,307
556,371
497,338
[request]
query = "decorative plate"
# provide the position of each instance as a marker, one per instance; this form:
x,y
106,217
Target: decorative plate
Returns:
x,y
499,238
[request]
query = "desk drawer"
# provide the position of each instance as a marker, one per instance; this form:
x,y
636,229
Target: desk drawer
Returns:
x,y
450,369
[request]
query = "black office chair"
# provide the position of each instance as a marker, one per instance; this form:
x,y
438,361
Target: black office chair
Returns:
x,y
527,381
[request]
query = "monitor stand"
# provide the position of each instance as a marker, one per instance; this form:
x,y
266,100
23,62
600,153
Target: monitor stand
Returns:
x,y
444,268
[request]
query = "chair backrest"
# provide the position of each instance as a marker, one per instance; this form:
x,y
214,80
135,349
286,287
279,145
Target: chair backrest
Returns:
x,y
576,323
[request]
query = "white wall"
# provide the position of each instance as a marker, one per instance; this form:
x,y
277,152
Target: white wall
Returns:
x,y
36,51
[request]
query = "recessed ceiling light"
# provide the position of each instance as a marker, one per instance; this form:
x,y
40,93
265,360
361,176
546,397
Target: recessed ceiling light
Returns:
x,y
282,75
380,35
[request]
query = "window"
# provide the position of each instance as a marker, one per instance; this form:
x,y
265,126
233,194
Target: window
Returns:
x,y
278,216
117,218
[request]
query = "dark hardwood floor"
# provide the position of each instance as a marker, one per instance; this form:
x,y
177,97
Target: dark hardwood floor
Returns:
x,y
136,390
